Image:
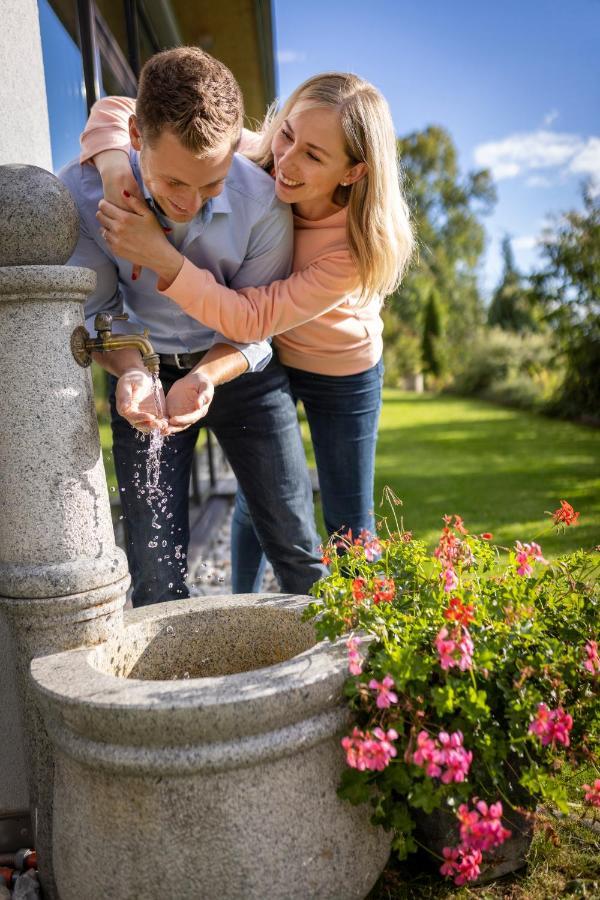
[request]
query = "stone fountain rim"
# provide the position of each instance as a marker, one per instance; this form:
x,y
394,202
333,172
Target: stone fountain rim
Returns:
x,y
197,724
70,678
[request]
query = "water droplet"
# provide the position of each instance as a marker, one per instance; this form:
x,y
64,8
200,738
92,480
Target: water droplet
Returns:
x,y
170,584
152,544
112,490
164,544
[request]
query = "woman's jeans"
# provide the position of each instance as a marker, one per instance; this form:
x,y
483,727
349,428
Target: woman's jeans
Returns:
x,y
343,417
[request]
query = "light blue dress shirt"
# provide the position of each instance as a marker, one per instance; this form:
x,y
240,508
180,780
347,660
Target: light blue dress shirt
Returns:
x,y
244,237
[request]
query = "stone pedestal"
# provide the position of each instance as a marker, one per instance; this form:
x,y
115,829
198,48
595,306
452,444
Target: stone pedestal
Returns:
x,y
62,579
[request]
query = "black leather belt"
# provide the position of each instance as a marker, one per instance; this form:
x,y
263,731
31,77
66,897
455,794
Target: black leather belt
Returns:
x,y
182,360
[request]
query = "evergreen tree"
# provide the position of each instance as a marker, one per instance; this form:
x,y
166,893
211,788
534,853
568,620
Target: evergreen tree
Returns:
x,y
510,308
433,336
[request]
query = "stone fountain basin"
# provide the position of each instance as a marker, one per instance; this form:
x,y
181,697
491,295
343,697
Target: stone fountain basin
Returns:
x,y
205,739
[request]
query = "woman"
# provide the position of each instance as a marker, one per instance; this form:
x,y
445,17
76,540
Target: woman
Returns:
x,y
332,152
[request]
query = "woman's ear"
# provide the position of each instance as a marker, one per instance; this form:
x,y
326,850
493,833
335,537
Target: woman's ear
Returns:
x,y
354,174
134,134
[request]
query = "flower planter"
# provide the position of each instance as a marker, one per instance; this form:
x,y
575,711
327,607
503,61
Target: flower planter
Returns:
x,y
198,756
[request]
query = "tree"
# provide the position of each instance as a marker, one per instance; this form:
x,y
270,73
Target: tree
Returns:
x,y
511,307
445,206
569,289
433,336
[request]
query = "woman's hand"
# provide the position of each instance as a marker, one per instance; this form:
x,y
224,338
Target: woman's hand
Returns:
x,y
118,180
136,234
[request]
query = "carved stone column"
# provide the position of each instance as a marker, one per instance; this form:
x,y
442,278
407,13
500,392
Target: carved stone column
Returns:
x,y
62,579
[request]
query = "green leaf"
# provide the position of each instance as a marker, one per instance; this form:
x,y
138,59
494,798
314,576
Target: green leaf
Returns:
x,y
444,699
354,787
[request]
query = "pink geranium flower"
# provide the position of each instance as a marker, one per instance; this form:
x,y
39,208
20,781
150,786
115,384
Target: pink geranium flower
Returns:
x,y
450,579
592,661
355,660
373,751
525,555
455,650
463,864
443,757
552,726
592,796
428,755
481,828
383,689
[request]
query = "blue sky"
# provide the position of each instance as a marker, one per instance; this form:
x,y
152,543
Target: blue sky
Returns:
x,y
517,84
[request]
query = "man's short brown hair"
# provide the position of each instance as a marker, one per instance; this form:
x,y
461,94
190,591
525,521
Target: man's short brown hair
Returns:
x,y
191,94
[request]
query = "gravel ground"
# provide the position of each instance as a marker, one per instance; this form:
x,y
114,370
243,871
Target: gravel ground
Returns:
x,y
216,567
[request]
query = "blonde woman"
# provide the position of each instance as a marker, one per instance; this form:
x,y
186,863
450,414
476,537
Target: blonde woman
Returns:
x,y
332,152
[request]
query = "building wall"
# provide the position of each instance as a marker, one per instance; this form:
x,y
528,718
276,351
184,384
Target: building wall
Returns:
x,y
24,135
24,138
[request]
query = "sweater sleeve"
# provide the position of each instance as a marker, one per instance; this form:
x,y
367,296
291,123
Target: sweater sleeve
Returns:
x,y
107,127
254,313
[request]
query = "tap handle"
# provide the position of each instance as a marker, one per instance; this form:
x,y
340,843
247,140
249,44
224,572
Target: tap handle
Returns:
x,y
104,320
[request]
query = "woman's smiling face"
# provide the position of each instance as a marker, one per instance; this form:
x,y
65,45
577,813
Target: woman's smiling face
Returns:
x,y
310,160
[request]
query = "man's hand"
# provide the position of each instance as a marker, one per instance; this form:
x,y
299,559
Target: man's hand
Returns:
x,y
188,401
136,401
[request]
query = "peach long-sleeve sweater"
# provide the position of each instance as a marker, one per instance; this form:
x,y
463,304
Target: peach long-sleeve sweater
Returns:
x,y
314,314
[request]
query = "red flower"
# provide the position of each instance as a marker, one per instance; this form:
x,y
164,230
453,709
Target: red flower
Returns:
x,y
487,536
358,589
384,590
458,611
566,515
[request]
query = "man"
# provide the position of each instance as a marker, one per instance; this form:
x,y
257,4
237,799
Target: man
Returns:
x,y
221,212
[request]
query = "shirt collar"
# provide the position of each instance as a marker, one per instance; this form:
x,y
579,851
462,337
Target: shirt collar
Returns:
x,y
219,204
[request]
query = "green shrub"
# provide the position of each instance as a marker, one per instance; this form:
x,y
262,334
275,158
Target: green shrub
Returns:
x,y
516,369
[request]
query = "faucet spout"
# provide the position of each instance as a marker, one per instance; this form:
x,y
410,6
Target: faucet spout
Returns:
x,y
82,345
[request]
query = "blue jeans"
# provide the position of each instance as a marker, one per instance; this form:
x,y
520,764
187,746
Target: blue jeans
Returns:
x,y
343,417
254,419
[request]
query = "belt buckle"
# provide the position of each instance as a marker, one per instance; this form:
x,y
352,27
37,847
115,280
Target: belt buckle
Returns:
x,y
177,363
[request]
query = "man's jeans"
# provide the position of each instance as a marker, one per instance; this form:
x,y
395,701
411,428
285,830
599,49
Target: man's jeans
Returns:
x,y
254,420
343,416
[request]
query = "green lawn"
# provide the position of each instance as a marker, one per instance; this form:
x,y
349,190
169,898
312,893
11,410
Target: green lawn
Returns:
x,y
499,468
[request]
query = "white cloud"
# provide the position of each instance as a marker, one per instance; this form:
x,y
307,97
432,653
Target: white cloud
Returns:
x,y
560,155
525,242
290,56
503,170
587,160
519,153
550,117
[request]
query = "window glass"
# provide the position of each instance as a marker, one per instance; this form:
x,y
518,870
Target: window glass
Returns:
x,y
65,89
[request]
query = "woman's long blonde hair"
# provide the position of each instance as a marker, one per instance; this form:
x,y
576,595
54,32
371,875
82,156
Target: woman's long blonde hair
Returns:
x,y
378,226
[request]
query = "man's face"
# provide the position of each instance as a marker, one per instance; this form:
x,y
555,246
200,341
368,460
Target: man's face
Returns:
x,y
179,181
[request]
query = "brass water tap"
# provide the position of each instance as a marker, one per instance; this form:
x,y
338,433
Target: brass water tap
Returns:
x,y
82,345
